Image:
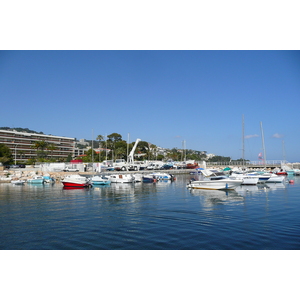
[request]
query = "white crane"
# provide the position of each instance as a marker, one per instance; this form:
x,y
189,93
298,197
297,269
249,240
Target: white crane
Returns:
x,y
130,158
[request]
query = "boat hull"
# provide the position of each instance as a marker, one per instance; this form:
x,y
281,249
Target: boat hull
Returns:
x,y
281,173
247,180
101,182
18,182
215,184
122,178
149,180
278,179
35,181
75,185
98,180
162,176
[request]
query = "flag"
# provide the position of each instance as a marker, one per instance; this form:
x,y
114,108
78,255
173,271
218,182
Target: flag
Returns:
x,y
260,156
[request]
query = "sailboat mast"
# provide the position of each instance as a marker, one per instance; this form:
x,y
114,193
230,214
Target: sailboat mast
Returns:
x,y
243,141
92,151
127,147
263,142
283,152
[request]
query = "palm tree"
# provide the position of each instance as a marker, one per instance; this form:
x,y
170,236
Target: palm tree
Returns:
x,y
52,147
40,146
100,138
21,153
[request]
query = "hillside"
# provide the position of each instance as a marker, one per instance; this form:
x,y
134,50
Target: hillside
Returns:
x,y
19,129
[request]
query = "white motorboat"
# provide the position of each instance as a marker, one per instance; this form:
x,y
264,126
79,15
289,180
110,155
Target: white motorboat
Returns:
x,y
162,176
247,179
100,180
261,177
121,178
296,172
215,184
275,179
137,177
18,182
268,177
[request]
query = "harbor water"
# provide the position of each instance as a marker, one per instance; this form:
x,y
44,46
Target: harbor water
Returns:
x,y
154,216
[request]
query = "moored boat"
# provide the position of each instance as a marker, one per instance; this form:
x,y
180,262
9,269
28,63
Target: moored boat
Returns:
x,y
76,181
100,180
18,182
121,178
149,179
192,165
36,180
48,179
275,179
247,179
137,177
162,176
215,184
281,173
261,177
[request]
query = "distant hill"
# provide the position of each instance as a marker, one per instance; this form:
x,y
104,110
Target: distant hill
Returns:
x,y
20,130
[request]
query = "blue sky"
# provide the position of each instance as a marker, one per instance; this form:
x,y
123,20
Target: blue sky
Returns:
x,y
163,97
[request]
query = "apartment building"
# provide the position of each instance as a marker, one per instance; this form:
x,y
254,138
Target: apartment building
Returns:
x,y
21,144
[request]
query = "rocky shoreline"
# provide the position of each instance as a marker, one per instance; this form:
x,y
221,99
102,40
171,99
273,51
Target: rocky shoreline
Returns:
x,y
7,176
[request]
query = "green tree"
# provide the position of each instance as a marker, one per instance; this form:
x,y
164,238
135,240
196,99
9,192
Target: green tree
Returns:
x,y
174,154
51,148
69,158
219,159
40,147
100,138
89,155
121,149
112,139
160,157
6,156
143,147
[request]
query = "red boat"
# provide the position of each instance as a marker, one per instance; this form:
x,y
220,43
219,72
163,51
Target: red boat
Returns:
x,y
76,181
281,173
192,166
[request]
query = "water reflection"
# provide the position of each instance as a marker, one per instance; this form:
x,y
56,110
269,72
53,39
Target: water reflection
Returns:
x,y
275,186
210,198
247,190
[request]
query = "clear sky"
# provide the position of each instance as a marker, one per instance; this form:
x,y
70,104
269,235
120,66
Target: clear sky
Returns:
x,y
162,97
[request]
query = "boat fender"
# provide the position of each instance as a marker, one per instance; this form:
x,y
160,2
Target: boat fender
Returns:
x,y
291,181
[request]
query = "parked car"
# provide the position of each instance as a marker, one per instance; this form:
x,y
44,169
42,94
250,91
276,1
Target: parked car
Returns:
x,y
15,166
67,169
166,167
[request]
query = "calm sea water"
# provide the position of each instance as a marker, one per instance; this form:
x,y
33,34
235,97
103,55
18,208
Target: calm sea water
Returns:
x,y
165,215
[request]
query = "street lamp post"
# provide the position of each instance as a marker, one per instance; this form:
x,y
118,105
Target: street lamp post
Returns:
x,y
15,154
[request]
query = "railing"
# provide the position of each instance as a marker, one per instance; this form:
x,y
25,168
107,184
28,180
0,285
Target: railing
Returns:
x,y
247,163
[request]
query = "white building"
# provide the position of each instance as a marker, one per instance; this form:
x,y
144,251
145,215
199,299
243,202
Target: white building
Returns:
x,y
21,144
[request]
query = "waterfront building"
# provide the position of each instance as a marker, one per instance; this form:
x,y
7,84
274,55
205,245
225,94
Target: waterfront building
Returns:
x,y
21,144
80,151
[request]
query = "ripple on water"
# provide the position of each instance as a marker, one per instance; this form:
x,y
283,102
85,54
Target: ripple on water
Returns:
x,y
154,216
